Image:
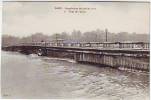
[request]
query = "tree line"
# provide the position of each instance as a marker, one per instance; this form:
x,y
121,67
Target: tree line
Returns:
x,y
77,36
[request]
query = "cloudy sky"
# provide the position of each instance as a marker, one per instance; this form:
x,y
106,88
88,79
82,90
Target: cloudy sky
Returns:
x,y
25,18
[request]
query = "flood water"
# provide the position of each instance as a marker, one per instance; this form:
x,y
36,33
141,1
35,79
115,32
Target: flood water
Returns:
x,y
31,76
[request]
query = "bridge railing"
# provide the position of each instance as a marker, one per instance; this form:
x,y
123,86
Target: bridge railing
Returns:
x,y
130,45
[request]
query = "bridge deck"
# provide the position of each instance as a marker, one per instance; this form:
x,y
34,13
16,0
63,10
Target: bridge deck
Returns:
x,y
89,49
114,57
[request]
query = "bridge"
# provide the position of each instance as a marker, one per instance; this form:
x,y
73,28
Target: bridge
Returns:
x,y
125,55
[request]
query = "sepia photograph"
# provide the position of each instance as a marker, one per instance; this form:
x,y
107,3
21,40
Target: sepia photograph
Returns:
x,y
75,50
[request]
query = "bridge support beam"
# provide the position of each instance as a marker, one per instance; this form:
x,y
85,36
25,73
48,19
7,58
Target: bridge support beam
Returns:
x,y
113,58
123,62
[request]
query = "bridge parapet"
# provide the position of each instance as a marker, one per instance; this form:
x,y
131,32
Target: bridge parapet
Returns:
x,y
114,45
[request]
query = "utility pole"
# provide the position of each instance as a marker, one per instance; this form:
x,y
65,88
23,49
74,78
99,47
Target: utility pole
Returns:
x,y
57,39
106,31
32,38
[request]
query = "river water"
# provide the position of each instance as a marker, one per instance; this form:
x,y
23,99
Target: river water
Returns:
x,y
31,76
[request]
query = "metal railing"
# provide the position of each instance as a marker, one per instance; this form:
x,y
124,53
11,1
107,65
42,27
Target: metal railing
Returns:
x,y
121,45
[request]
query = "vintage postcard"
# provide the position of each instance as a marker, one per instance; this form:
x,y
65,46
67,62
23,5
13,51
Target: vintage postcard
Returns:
x,y
75,50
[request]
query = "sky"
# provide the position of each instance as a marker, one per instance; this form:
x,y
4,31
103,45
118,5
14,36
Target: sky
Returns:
x,y
25,18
